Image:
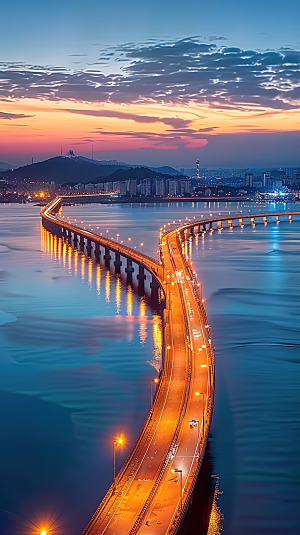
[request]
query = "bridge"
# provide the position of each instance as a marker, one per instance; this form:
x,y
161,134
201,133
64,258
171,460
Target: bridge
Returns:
x,y
153,490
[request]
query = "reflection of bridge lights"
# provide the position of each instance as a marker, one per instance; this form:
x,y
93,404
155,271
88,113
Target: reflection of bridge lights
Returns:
x,y
203,365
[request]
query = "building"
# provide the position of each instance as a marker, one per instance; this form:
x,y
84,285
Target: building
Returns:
x,y
249,179
159,187
99,187
266,179
108,186
132,187
116,186
172,186
146,187
123,188
185,187
90,188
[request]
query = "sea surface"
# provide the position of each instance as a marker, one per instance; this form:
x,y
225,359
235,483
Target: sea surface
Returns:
x,y
78,350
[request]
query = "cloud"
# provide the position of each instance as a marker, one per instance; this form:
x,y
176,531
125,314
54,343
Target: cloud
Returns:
x,y
181,71
10,116
176,122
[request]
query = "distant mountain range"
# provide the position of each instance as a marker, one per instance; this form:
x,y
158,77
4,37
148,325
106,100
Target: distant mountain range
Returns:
x,y
75,169
5,166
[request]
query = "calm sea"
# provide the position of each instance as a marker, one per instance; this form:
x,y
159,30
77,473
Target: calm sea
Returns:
x,y
79,349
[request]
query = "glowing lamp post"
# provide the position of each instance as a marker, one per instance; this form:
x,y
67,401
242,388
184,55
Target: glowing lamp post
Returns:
x,y
175,470
151,395
119,441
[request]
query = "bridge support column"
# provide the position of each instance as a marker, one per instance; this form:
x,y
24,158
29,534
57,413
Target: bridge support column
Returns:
x,y
241,222
265,220
64,232
89,246
117,263
129,270
211,226
141,278
229,223
97,251
252,221
107,256
219,225
75,240
290,218
81,242
69,236
192,231
154,285
277,219
203,227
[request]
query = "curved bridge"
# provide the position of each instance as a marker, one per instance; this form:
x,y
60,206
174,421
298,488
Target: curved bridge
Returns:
x,y
153,489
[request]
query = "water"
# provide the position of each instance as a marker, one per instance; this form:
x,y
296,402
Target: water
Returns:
x,y
75,345
74,349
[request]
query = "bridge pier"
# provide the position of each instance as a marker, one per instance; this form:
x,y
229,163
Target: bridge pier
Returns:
x,y
211,226
290,218
219,225
75,240
81,243
154,285
229,223
69,236
277,219
107,256
97,251
265,220
89,246
141,278
117,263
241,222
129,270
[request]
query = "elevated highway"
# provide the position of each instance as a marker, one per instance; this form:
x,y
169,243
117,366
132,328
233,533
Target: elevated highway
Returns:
x,y
153,489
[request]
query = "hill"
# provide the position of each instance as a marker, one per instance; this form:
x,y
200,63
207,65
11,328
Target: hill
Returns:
x,y
165,169
5,166
137,173
58,170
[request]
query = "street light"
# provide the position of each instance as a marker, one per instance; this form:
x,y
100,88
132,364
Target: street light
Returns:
x,y
201,394
153,381
193,424
119,441
142,245
175,470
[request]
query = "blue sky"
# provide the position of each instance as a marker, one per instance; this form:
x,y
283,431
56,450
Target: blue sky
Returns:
x,y
59,44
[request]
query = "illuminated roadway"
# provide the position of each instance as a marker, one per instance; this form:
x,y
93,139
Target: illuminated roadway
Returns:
x,y
155,485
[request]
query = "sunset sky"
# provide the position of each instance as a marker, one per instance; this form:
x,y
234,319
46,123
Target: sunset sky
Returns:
x,y
156,83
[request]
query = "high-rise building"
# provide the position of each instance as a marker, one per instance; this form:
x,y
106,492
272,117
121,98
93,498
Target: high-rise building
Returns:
x,y
108,187
159,187
266,179
248,180
185,186
146,187
132,187
123,188
116,186
172,186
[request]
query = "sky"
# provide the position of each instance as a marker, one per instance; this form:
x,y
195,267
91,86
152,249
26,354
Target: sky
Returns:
x,y
156,83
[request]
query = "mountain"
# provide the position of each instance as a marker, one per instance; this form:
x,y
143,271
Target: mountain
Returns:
x,y
137,173
5,166
58,170
165,169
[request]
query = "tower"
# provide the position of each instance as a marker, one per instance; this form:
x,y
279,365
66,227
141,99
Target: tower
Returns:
x,y
197,163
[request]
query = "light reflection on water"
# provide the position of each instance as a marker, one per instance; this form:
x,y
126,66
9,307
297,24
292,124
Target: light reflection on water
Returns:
x,y
75,348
